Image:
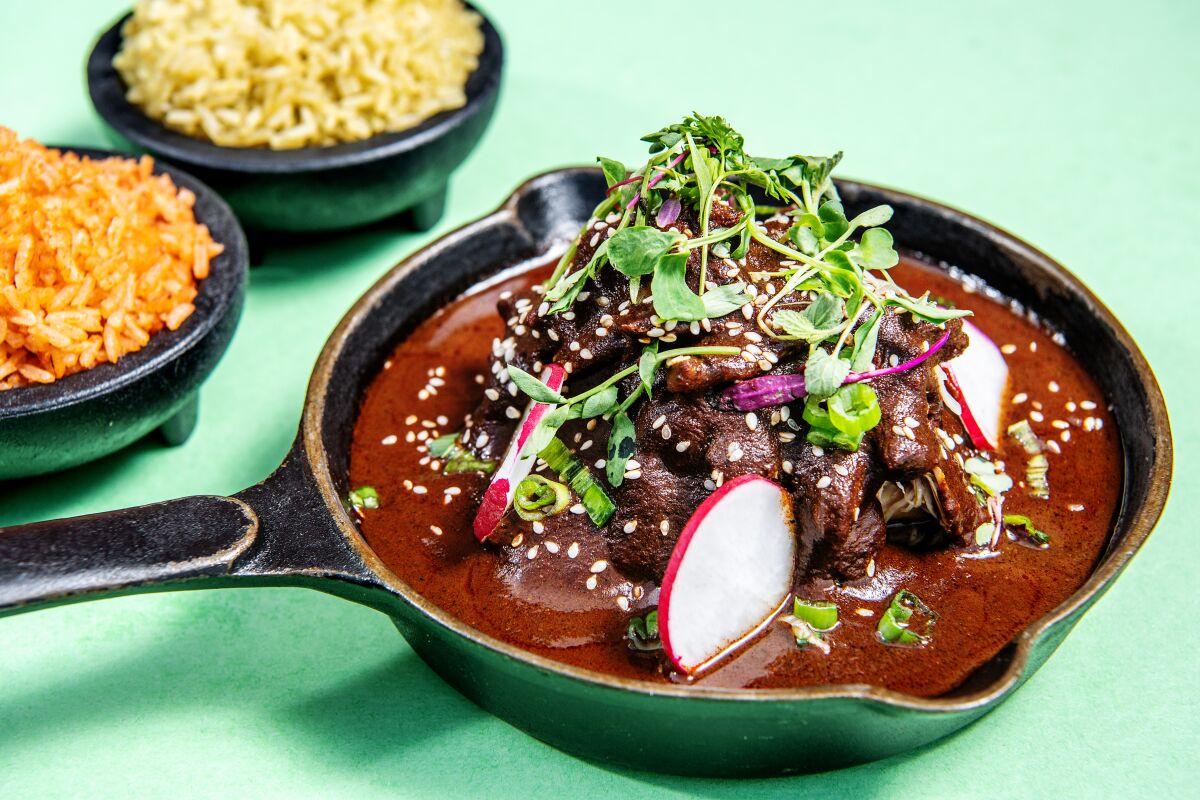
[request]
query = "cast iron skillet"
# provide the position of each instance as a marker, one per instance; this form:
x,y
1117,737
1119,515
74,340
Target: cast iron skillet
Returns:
x,y
315,188
98,411
293,530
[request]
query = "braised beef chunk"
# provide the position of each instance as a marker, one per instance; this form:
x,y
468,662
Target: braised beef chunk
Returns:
x,y
688,441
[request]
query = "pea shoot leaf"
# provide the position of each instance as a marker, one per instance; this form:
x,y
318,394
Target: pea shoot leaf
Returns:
x,y
872,217
724,299
637,250
601,402
824,373
614,171
833,218
874,250
546,428
532,387
648,365
621,444
924,308
672,297
866,339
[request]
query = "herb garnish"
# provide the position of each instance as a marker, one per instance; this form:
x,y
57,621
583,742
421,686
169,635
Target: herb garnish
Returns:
x,y
642,633
363,497
906,621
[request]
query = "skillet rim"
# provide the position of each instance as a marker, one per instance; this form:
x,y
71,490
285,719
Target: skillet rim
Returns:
x,y
1141,521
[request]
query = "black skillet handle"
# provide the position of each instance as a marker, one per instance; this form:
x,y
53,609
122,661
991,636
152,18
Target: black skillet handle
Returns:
x,y
164,545
278,533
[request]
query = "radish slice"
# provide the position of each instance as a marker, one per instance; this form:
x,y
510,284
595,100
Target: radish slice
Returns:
x,y
973,387
730,572
512,470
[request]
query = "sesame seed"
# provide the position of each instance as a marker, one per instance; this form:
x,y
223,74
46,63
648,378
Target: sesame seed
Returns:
x,y
1089,424
824,482
1019,398
591,582
912,423
870,567
709,485
681,447
666,432
633,474
633,463
1070,407
840,469
532,552
1062,425
623,602
864,612
658,421
436,530
1037,416
788,467
573,550
908,434
1076,506
585,353
599,566
630,526
818,451
787,437
752,421
1053,447
423,395
1008,349
600,462
1033,347
585,445
578,509
664,527
390,439
1052,386
419,490
481,440
452,490
538,527
552,547
1066,436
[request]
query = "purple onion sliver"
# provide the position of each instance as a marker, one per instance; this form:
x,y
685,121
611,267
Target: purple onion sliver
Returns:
x,y
669,212
619,184
650,184
773,390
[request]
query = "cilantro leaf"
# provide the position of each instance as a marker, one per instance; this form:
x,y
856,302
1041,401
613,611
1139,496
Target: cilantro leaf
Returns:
x,y
824,373
823,317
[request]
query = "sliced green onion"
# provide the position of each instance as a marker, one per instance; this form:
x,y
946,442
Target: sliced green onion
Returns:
x,y
985,475
443,445
642,633
458,458
1040,538
894,625
363,497
537,498
1035,476
1022,431
596,502
822,616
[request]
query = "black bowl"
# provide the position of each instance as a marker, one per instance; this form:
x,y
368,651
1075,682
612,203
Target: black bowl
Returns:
x,y
315,188
81,417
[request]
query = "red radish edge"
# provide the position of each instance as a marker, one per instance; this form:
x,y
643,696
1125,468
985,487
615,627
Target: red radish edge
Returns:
x,y
673,565
969,422
500,491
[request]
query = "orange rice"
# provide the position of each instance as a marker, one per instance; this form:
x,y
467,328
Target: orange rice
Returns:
x,y
95,258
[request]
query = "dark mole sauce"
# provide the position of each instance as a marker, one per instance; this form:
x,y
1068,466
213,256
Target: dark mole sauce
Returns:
x,y
981,600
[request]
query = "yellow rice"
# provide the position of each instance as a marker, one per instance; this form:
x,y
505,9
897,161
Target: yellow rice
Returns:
x,y
95,258
296,73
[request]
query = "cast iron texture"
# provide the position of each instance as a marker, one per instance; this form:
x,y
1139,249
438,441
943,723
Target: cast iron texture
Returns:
x,y
302,534
92,413
315,188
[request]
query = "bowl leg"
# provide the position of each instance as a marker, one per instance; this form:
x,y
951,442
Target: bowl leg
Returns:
x,y
178,428
427,213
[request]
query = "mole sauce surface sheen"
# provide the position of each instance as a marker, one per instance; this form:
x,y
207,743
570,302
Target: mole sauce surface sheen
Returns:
x,y
538,599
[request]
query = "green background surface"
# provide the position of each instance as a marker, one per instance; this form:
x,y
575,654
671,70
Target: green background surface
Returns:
x,y
1072,124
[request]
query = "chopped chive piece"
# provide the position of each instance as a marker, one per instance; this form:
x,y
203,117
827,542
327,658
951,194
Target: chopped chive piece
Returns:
x,y
1035,476
537,498
443,445
596,502
363,497
1022,431
896,626
642,633
1039,538
822,616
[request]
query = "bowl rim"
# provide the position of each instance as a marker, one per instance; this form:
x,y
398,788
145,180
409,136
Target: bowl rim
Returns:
x,y
1141,521
216,296
106,91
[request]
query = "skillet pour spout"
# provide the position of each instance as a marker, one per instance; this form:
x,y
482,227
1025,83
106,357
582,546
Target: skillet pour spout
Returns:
x,y
293,528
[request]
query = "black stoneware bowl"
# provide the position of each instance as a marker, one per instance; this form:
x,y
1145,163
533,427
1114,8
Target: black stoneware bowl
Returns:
x,y
90,414
292,529
315,188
